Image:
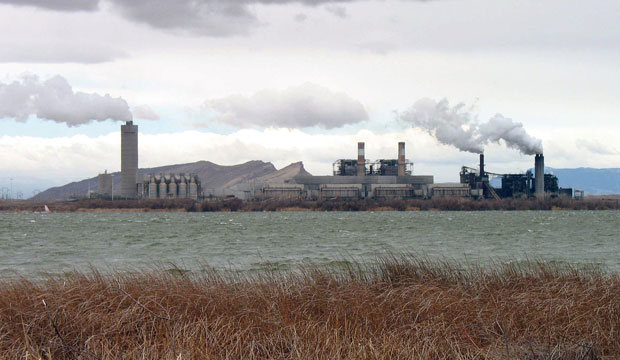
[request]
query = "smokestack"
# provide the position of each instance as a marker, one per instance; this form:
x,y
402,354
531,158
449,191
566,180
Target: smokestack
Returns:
x,y
482,165
401,159
129,160
539,176
361,160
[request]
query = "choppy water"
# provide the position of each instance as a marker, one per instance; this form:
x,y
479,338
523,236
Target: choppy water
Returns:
x,y
36,244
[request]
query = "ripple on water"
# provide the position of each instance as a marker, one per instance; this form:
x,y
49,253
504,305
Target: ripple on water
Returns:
x,y
250,241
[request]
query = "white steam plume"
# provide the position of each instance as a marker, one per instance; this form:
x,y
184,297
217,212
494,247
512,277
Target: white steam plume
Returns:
x,y
457,127
54,99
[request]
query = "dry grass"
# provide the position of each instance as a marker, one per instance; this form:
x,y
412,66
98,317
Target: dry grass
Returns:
x,y
400,308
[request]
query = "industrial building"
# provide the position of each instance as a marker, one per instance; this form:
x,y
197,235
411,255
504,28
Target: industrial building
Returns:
x,y
104,185
351,179
538,185
129,160
171,186
359,178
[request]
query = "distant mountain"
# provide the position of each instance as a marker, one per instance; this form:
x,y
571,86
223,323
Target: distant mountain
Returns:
x,y
214,178
592,181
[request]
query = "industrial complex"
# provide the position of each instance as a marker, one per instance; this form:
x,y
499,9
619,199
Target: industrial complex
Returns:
x,y
352,179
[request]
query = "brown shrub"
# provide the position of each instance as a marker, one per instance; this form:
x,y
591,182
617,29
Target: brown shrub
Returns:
x,y
400,308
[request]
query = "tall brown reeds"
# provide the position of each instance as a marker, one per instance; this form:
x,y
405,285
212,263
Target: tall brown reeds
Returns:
x,y
399,308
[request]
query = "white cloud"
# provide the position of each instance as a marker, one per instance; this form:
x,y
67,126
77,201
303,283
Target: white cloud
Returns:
x,y
302,106
54,99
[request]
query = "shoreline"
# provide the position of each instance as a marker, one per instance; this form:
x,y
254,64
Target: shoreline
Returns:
x,y
236,205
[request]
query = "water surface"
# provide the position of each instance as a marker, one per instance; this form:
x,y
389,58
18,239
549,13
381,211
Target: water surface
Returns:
x,y
36,244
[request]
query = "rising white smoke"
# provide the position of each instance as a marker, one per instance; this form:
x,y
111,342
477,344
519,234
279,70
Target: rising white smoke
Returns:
x,y
54,99
456,126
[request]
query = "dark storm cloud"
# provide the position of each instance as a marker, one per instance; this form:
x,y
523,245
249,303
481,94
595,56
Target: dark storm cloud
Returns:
x,y
59,5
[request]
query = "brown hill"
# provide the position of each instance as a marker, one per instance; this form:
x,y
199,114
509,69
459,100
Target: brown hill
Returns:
x,y
213,176
285,174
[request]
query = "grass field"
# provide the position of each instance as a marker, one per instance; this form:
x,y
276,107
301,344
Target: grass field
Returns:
x,y
400,307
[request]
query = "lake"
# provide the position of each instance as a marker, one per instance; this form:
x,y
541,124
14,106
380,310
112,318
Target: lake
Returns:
x,y
39,244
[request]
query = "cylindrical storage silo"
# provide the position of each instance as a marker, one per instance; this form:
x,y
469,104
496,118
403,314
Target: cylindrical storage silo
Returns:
x,y
172,187
163,189
183,188
193,190
152,188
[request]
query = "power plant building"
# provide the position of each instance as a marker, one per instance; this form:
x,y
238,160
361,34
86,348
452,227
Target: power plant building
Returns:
x,y
354,179
104,184
129,160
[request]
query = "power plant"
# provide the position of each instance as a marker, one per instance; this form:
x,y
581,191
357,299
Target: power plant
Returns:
x,y
539,185
351,179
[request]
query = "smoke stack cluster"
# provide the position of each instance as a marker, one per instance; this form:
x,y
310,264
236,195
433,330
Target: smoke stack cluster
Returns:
x,y
361,159
539,176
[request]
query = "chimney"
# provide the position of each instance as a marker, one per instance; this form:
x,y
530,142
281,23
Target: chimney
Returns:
x,y
401,159
539,176
361,160
482,173
129,160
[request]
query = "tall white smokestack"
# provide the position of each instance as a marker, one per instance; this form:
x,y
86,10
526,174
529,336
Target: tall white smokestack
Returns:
x,y
539,176
401,159
361,160
129,160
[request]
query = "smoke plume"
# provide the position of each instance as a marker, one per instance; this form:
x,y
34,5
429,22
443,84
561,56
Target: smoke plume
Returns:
x,y
54,99
456,126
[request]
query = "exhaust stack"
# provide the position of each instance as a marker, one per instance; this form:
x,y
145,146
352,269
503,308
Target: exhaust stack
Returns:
x,y
361,160
401,159
482,173
129,160
539,176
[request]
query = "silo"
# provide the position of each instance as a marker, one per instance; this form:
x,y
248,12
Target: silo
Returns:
x,y
193,189
183,187
539,176
152,188
172,187
129,160
163,189
104,186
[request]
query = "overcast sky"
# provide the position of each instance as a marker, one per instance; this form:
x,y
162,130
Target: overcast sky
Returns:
x,y
280,80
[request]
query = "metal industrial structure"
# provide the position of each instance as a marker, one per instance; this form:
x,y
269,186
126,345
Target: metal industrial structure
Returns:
x,y
171,186
129,160
359,179
527,185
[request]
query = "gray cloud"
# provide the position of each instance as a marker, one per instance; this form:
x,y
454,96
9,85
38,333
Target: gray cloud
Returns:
x,y
303,106
301,17
339,11
54,99
58,5
457,126
218,18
